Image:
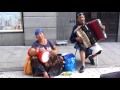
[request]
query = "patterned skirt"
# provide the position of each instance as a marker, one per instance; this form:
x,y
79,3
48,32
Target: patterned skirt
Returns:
x,y
53,67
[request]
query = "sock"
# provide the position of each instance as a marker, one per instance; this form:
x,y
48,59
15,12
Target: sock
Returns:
x,y
83,64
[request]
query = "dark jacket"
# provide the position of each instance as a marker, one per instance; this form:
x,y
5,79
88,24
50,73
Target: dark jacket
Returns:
x,y
73,35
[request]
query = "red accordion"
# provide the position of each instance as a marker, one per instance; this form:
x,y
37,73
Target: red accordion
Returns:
x,y
96,27
93,31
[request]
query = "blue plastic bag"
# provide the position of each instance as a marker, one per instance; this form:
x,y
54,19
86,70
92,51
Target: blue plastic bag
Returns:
x,y
70,62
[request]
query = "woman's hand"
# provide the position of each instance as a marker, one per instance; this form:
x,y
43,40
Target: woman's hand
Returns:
x,y
53,53
32,52
37,49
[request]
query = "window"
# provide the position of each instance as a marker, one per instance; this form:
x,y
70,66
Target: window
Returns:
x,y
94,15
11,22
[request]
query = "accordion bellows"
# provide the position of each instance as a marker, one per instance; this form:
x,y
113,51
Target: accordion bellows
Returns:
x,y
84,37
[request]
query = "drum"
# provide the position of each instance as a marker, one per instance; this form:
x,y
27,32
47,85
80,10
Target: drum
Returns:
x,y
43,56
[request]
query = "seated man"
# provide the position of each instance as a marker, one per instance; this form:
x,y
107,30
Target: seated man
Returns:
x,y
84,52
55,64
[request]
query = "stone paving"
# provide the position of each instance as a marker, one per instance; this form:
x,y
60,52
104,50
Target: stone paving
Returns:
x,y
12,60
89,73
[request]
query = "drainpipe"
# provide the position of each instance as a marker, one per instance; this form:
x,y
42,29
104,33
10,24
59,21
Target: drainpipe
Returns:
x,y
118,39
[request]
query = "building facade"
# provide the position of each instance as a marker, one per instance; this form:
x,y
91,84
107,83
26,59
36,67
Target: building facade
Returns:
x,y
56,26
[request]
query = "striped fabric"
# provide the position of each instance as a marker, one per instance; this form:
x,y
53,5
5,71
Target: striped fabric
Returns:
x,y
53,67
82,34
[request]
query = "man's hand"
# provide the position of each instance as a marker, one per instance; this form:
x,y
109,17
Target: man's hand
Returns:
x,y
78,39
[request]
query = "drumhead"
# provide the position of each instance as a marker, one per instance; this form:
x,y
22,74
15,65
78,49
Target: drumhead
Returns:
x,y
45,57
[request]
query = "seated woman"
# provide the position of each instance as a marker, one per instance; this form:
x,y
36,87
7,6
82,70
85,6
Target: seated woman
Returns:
x,y
54,66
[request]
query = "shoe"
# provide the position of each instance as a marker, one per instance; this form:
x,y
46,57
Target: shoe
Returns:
x,y
82,69
91,60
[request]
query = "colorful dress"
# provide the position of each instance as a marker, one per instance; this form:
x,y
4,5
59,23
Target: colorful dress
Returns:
x,y
53,67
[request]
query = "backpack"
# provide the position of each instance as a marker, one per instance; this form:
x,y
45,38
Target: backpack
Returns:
x,y
27,66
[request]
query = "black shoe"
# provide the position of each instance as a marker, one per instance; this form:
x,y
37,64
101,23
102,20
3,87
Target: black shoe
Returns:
x,y
91,60
82,69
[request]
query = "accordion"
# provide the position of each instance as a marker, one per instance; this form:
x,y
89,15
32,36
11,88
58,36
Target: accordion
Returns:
x,y
91,33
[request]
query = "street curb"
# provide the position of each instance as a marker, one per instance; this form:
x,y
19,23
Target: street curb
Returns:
x,y
12,69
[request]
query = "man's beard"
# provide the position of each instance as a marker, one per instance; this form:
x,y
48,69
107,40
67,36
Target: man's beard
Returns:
x,y
81,23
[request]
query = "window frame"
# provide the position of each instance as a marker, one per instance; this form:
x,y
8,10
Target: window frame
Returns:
x,y
16,31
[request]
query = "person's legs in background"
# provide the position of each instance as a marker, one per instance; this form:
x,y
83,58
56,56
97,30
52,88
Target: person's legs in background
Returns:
x,y
93,56
84,54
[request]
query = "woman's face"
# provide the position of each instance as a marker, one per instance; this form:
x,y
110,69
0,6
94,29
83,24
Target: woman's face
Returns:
x,y
40,36
81,19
